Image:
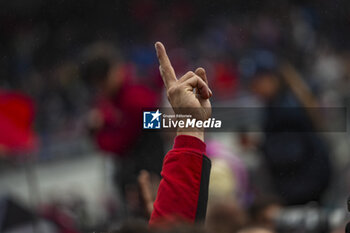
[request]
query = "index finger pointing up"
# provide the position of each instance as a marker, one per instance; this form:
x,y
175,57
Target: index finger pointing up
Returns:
x,y
166,69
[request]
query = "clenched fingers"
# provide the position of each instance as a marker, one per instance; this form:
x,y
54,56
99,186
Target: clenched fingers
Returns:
x,y
196,82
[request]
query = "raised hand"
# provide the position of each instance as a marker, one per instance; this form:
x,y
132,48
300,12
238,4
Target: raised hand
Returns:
x,y
187,95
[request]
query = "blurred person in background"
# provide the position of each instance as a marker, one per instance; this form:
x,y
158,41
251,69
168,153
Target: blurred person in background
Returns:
x,y
229,180
17,115
296,156
116,116
228,190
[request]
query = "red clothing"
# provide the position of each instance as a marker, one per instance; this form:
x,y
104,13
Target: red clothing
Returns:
x,y
122,116
183,190
16,121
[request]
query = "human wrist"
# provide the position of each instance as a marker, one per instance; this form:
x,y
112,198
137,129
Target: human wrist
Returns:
x,y
194,132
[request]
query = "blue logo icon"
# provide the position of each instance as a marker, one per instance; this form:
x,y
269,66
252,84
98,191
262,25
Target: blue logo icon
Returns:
x,y
151,120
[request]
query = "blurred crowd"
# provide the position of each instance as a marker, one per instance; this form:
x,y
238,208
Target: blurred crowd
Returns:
x,y
68,56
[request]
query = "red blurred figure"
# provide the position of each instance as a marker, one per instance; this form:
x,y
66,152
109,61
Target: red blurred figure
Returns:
x,y
116,119
16,120
225,81
118,115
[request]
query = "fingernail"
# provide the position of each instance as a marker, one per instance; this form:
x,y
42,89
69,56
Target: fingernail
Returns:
x,y
156,47
157,44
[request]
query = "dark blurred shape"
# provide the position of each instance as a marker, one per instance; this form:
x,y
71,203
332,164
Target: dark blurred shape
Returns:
x,y
134,226
299,165
95,70
97,61
14,215
138,226
259,70
297,159
257,62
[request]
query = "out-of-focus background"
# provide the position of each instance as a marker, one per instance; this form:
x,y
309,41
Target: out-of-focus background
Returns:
x,y
74,76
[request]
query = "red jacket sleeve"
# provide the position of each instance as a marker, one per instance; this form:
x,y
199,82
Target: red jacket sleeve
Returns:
x,y
183,190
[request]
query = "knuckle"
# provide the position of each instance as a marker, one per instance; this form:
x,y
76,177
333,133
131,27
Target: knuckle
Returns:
x,y
172,91
190,73
162,69
198,78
